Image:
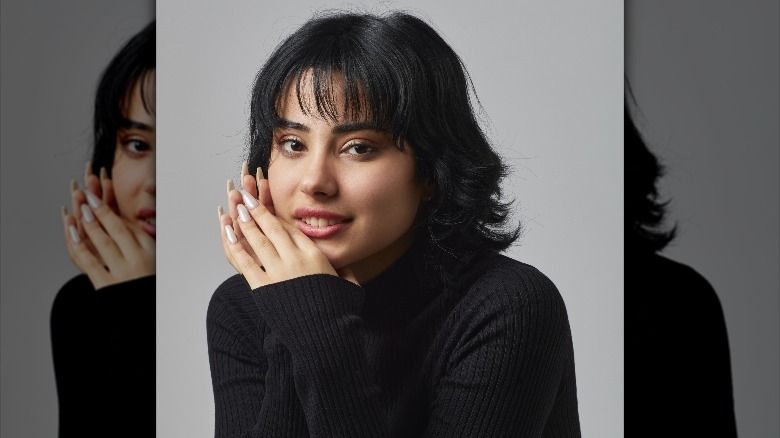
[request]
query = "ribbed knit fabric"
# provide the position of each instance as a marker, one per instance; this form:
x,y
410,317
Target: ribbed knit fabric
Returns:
x,y
103,345
320,356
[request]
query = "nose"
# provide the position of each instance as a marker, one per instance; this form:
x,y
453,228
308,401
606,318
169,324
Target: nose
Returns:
x,y
319,179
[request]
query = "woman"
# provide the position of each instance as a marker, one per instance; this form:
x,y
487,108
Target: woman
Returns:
x,y
103,321
678,370
373,300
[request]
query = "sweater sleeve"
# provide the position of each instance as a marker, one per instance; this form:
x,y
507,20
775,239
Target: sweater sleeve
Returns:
x,y
254,394
500,378
510,367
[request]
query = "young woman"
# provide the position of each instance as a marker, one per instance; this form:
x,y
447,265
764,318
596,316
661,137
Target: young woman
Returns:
x,y
372,299
103,321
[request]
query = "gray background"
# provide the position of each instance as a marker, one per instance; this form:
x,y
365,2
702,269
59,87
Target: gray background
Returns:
x,y
705,75
550,76
52,54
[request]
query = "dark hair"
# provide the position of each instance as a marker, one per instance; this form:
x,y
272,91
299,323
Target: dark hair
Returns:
x,y
129,65
644,212
411,83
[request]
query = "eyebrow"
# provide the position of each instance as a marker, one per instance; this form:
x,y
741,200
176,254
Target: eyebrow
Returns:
x,y
338,129
133,124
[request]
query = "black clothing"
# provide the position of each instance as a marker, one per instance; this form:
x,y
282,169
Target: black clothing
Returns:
x,y
103,344
677,367
320,356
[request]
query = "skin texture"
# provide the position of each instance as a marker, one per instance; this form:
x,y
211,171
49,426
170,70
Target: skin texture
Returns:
x,y
360,175
112,248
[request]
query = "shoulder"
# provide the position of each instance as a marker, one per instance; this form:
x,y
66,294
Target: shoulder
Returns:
x,y
510,283
683,284
76,292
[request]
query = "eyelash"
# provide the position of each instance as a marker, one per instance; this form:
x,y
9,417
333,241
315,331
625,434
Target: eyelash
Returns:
x,y
280,146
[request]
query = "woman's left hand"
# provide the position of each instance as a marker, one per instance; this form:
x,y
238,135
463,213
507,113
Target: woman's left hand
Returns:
x,y
281,251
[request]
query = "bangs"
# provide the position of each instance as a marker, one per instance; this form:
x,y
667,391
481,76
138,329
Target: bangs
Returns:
x,y
356,71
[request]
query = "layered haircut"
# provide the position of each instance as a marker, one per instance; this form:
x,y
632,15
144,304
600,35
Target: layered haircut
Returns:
x,y
131,64
644,211
399,75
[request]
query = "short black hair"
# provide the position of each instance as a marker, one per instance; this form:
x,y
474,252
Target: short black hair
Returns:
x,y
131,64
406,79
644,211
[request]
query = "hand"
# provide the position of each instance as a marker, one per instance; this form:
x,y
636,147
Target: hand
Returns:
x,y
279,251
257,188
93,185
108,249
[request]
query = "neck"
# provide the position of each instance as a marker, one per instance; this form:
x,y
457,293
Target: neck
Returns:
x,y
370,267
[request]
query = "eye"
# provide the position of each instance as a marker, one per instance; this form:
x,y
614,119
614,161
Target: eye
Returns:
x,y
359,149
136,146
290,146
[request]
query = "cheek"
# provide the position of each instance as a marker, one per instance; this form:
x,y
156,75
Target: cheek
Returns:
x,y
125,182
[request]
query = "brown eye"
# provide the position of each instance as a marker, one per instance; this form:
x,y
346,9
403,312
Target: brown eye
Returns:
x,y
359,149
291,146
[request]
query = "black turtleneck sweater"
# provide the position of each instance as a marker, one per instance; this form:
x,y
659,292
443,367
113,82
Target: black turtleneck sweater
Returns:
x,y
319,356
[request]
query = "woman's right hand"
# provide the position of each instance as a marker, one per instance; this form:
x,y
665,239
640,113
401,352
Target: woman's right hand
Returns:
x,y
258,187
105,247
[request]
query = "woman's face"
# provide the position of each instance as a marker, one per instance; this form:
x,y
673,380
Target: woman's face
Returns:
x,y
133,174
344,184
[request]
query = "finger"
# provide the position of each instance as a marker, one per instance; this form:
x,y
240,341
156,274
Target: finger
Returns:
x,y
109,228
264,192
265,250
107,190
76,199
234,198
247,180
223,221
79,252
247,265
226,220
91,182
145,241
105,246
270,225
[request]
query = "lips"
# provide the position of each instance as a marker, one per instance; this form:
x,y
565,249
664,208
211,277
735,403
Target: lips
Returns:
x,y
319,223
147,218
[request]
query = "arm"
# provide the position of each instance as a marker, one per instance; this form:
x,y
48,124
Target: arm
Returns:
x,y
253,390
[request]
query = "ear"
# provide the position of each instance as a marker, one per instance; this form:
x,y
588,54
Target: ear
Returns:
x,y
428,189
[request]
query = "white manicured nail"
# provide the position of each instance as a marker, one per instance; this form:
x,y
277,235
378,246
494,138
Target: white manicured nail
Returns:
x,y
230,234
249,200
93,200
74,235
243,213
87,213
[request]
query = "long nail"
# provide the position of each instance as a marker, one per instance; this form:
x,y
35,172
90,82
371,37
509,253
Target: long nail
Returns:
x,y
220,212
64,211
74,235
249,200
244,170
243,213
88,169
259,174
230,234
74,185
103,174
87,213
93,200
230,186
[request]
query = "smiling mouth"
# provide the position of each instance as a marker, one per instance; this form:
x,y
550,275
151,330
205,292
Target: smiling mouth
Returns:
x,y
320,222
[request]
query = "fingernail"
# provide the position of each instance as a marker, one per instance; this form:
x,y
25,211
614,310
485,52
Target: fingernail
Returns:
x,y
103,174
230,235
220,212
74,235
244,170
259,175
230,186
87,213
64,211
74,185
243,213
93,200
249,200
88,169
